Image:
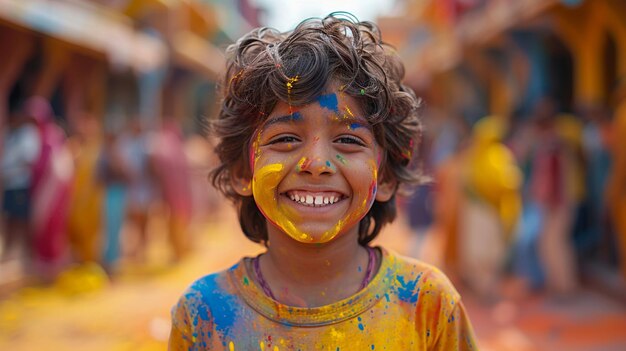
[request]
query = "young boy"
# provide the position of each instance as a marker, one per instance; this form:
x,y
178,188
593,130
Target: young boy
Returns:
x,y
317,134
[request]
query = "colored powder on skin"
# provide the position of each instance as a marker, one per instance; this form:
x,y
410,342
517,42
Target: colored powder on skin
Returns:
x,y
373,186
330,166
348,113
358,214
329,102
264,186
354,126
296,116
342,159
303,164
262,346
231,346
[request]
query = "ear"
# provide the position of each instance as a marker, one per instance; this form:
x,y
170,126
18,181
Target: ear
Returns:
x,y
242,186
241,183
386,189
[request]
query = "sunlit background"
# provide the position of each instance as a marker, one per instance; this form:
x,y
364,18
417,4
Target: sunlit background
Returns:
x,y
108,213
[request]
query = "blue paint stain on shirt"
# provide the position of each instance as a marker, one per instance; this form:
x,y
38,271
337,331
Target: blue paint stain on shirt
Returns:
x,y
216,305
407,291
329,101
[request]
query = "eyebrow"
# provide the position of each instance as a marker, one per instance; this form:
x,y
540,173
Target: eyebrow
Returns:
x,y
353,122
294,117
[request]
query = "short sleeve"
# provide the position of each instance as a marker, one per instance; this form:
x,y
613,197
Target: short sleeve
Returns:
x,y
456,332
442,315
181,335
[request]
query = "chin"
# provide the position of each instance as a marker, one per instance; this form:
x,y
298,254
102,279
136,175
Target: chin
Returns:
x,y
316,235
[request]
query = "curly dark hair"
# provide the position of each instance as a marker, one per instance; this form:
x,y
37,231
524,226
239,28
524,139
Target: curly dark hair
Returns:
x,y
336,49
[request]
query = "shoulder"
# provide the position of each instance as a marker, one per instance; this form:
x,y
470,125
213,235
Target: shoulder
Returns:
x,y
206,293
418,281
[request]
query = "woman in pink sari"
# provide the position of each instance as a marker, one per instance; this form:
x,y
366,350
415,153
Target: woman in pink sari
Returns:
x,y
50,191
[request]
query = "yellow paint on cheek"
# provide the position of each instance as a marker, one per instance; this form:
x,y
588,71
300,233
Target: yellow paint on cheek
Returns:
x,y
355,216
264,185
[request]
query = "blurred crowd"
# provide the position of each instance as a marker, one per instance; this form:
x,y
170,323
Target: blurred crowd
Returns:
x,y
539,197
88,197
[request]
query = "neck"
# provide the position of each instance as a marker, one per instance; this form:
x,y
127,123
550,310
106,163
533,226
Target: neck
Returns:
x,y
313,274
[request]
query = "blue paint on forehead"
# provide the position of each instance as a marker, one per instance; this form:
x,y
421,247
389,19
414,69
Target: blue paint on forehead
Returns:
x,y
329,102
296,116
355,126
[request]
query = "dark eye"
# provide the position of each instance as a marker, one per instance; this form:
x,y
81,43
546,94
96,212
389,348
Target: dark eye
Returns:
x,y
283,139
350,140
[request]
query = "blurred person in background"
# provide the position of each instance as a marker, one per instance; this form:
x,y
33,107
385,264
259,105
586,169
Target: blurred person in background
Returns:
x,y
141,187
448,161
52,178
570,129
597,157
545,251
171,169
489,210
206,201
616,186
22,146
84,223
113,172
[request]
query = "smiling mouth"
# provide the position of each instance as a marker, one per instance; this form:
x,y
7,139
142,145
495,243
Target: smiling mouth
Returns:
x,y
315,199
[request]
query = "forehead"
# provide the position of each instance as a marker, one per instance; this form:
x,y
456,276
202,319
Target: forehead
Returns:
x,y
332,103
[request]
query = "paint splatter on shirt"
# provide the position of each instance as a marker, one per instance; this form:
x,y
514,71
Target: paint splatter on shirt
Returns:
x,y
408,305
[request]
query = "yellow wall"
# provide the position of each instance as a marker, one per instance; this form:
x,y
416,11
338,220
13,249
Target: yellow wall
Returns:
x,y
584,30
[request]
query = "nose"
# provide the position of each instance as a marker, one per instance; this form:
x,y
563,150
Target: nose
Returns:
x,y
316,161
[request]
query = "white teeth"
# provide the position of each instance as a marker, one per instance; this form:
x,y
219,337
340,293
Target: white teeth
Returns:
x,y
318,200
314,200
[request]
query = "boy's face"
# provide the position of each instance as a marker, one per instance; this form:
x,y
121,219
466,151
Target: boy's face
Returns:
x,y
315,168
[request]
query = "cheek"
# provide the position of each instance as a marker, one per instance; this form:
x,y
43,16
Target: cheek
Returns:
x,y
373,186
264,184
